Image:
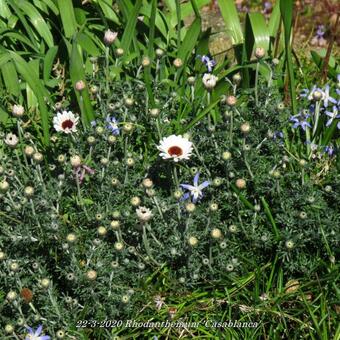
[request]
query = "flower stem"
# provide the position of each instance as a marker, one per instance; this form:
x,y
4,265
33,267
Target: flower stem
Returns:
x,y
209,116
317,116
175,177
147,246
231,127
256,83
107,68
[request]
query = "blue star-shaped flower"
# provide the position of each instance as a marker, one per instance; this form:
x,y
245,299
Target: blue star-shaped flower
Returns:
x,y
196,190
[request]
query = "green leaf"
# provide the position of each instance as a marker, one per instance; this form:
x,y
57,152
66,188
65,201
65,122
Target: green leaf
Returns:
x,y
48,62
4,10
77,73
21,38
3,116
286,7
88,44
109,13
190,40
200,116
259,30
193,6
130,30
231,20
318,58
37,21
274,21
67,17
23,21
10,78
152,29
29,75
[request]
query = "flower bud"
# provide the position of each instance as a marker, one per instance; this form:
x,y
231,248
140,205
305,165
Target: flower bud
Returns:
x,y
241,183
154,112
193,241
119,52
146,62
147,183
80,85
119,246
110,37
91,275
129,101
226,155
237,78
216,233
190,207
29,191
38,157
178,63
275,61
231,100
135,201
45,283
75,161
4,186
245,127
260,52
159,52
18,111
191,80
317,95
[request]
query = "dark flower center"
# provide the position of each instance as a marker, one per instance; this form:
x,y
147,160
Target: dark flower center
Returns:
x,y
175,151
67,124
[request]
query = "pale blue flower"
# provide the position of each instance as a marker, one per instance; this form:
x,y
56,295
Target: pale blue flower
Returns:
x,y
333,115
35,335
209,63
329,150
112,125
300,120
194,190
327,98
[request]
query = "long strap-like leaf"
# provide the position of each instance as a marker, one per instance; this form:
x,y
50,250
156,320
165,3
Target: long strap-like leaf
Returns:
x,y
286,7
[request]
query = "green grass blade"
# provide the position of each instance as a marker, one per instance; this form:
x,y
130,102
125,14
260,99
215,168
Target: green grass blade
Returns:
x,y
48,62
193,6
109,13
3,116
130,30
259,30
10,77
77,73
152,29
29,76
270,218
68,17
286,7
22,39
200,116
190,39
4,10
274,21
38,22
231,20
25,24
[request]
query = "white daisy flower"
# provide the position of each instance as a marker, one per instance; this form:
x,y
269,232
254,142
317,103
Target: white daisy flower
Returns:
x,y
175,147
209,81
65,122
144,214
11,140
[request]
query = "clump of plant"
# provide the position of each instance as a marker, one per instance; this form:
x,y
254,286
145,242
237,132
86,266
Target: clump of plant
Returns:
x,y
169,184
